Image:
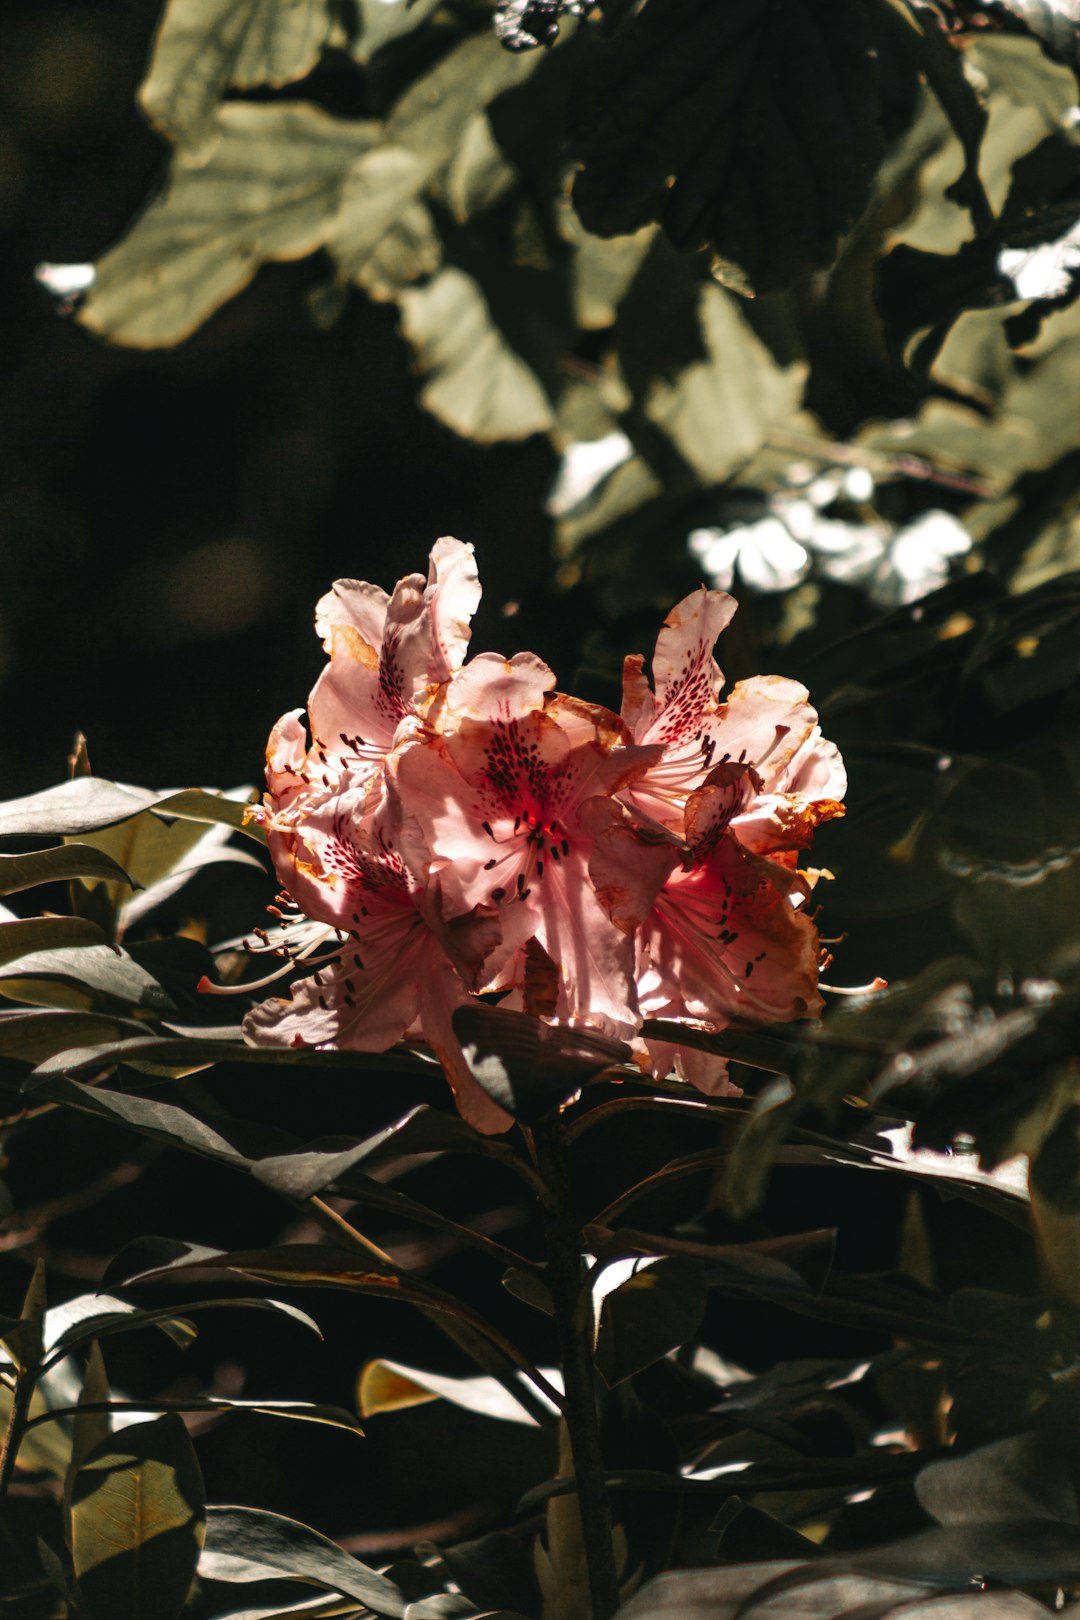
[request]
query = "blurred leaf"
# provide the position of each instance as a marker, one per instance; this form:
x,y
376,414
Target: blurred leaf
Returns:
x,y
390,1386
480,173
20,939
919,33
767,157
269,189
476,383
204,47
1054,23
58,865
248,1544
376,192
383,22
137,1522
657,1309
529,1067
698,369
1023,1477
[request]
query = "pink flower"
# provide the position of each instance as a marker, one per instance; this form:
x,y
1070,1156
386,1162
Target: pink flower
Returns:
x,y
399,970
511,802
766,723
724,942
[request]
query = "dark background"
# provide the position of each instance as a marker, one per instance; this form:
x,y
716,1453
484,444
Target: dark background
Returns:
x,y
168,520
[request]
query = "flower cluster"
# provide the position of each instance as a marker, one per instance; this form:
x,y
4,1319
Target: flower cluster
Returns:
x,y
458,828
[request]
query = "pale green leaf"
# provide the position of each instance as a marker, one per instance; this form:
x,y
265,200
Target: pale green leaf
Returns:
x,y
476,383
270,189
718,410
204,47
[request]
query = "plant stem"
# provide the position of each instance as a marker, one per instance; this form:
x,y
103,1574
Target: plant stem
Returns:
x,y
564,1249
21,1396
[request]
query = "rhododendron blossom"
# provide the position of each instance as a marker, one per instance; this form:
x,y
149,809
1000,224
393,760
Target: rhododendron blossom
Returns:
x,y
449,820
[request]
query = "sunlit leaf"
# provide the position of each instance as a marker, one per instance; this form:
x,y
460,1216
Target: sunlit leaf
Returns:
x,y
476,383
390,1386
269,189
137,1522
78,806
203,47
248,1544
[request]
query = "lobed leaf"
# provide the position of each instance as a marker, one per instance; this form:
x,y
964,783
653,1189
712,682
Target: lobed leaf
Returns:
x,y
270,189
751,128
204,47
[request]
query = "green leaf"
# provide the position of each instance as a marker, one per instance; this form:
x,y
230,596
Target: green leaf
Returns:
x,y
137,1522
657,1308
529,1067
204,47
18,939
1054,23
476,383
58,865
89,1425
378,190
698,369
24,1338
79,975
270,189
390,1386
219,809
35,1037
78,806
117,1316
334,1417
248,1544
742,127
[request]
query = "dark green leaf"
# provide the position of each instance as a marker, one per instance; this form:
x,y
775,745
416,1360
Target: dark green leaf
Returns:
x,y
83,974
20,939
247,1544
36,1036
137,1520
58,865
750,127
117,1316
334,1417
529,1067
656,1309
153,1117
